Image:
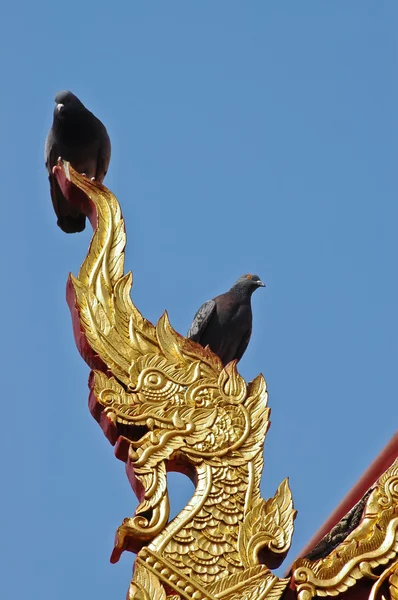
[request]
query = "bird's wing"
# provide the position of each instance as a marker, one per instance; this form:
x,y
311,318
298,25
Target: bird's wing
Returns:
x,y
243,345
48,146
104,154
69,217
201,320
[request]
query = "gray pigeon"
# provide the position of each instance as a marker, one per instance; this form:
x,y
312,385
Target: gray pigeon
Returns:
x,y
79,137
225,323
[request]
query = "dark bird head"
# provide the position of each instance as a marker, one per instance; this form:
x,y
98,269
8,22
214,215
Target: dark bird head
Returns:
x,y
66,103
247,284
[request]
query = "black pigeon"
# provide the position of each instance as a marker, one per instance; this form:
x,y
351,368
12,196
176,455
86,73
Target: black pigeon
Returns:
x,y
225,323
79,137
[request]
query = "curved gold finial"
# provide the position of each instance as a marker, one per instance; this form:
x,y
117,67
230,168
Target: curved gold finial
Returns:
x,y
169,404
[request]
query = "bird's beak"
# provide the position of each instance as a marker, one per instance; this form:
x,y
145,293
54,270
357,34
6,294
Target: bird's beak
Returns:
x,y
260,284
59,107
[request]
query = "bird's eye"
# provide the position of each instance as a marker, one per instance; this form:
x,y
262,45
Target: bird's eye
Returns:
x,y
248,276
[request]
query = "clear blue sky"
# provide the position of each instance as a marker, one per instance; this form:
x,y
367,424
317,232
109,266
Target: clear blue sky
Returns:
x,y
257,136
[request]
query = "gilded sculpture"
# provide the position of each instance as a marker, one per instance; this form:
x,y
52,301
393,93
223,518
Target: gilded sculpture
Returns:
x,y
169,404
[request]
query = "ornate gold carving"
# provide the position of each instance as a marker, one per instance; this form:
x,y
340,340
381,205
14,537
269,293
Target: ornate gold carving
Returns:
x,y
393,579
373,543
145,585
258,582
268,524
170,404
392,574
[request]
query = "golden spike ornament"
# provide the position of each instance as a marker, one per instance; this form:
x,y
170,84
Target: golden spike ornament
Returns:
x,y
168,404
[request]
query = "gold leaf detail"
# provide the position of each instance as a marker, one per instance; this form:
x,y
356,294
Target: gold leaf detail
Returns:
x,y
393,580
145,585
234,581
268,524
256,583
231,384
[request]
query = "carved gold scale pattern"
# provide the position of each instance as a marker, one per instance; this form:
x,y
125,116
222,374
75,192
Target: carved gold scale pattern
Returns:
x,y
198,417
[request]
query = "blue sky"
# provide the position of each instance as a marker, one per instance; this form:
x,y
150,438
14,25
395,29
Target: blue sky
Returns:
x,y
258,136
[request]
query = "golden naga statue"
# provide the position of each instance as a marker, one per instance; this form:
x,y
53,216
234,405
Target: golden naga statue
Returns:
x,y
168,404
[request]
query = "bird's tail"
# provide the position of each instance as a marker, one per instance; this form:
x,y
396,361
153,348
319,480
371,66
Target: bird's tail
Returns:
x,y
70,219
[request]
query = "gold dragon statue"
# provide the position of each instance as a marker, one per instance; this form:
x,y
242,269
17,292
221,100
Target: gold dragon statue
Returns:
x,y
168,404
